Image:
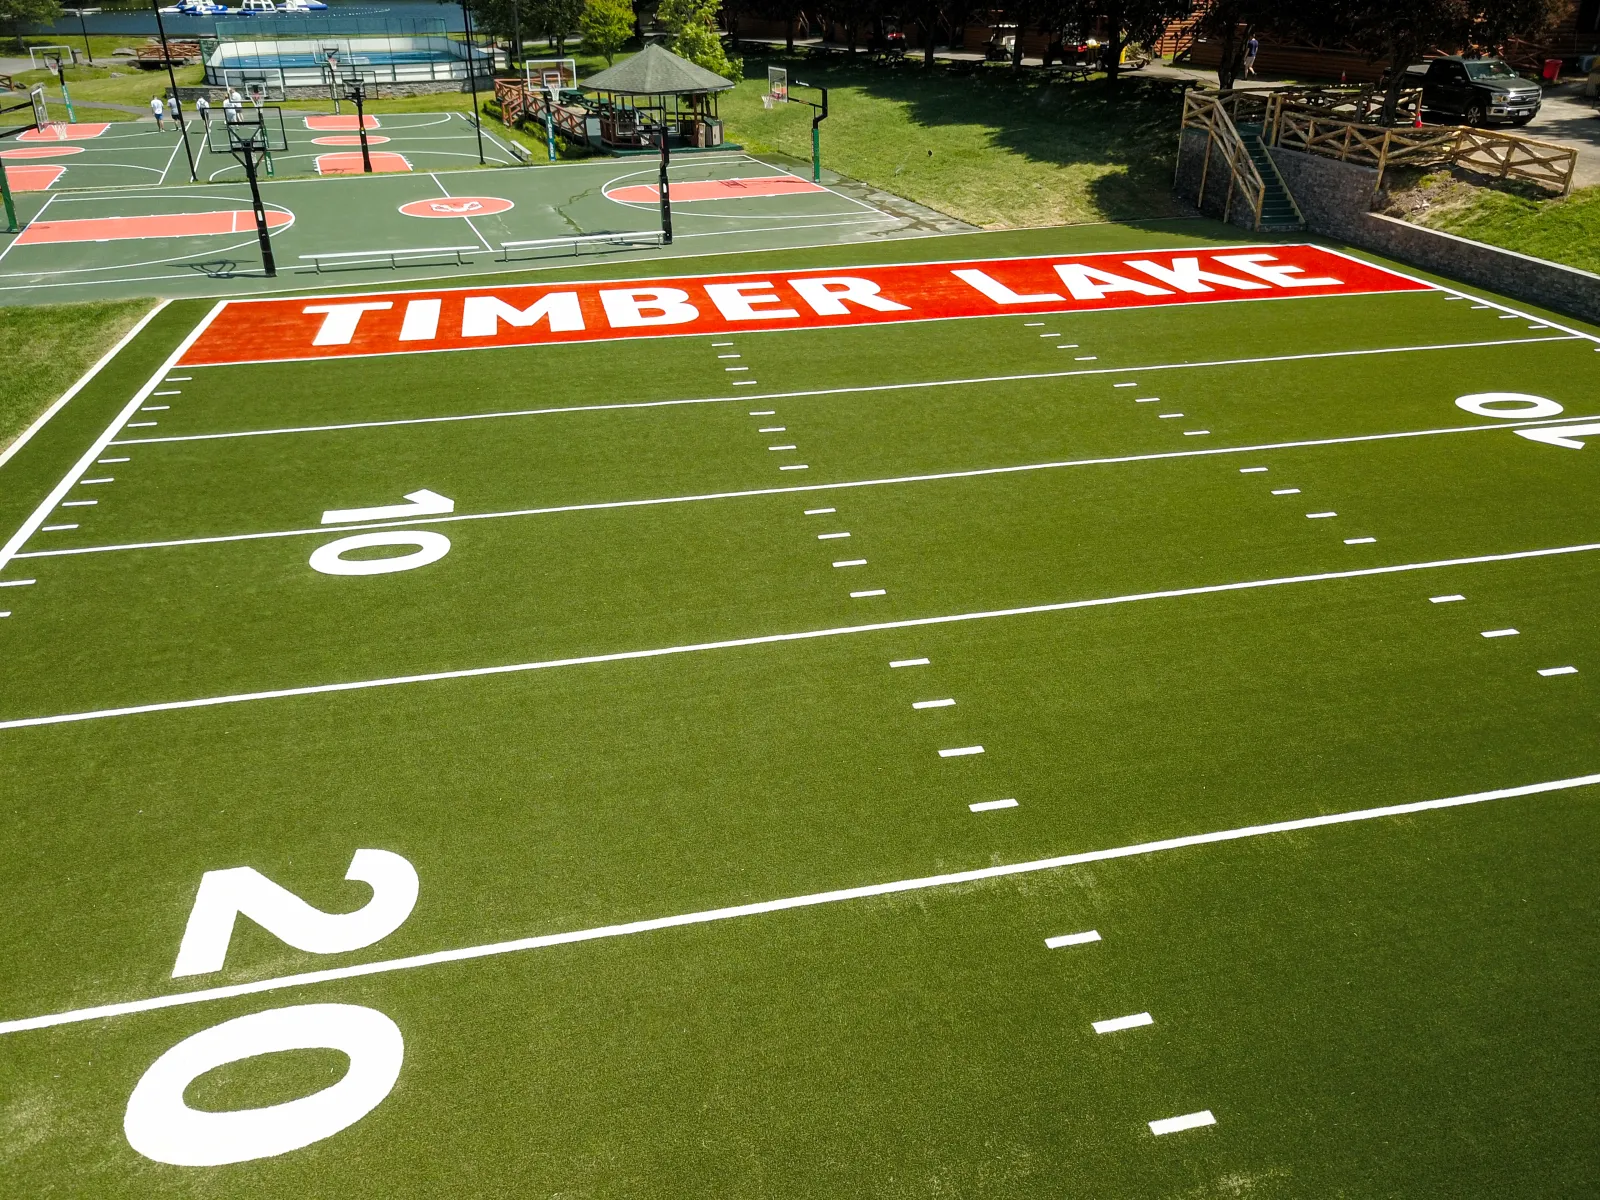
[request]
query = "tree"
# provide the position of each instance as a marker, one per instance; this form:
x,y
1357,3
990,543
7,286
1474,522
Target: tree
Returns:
x,y
1230,24
693,25
1402,33
14,14
1128,22
607,25
554,19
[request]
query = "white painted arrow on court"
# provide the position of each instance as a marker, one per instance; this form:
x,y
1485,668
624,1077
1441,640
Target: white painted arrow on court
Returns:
x,y
423,504
1567,435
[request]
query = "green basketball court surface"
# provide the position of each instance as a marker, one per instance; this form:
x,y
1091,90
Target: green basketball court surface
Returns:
x,y
412,218
1053,750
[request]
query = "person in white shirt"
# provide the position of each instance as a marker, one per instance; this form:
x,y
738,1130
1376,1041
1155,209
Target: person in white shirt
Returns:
x,y
202,108
158,111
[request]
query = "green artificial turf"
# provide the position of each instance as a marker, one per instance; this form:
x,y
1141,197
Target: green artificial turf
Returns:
x,y
1401,1006
46,349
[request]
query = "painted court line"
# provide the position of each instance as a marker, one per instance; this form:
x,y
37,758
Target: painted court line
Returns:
x,y
851,562
960,751
1366,541
761,908
1320,515
1118,1024
869,592
1498,633
778,638
1285,491
843,391
1444,599
828,537
818,512
972,473
991,805
1179,1124
1072,939
909,662
1548,671
946,703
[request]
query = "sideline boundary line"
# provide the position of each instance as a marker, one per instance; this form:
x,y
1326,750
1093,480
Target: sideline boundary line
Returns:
x,y
795,489
770,639
812,900
43,419
30,526
838,391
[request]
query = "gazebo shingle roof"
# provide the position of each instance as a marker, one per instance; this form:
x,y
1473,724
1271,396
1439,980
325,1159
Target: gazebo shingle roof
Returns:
x,y
655,71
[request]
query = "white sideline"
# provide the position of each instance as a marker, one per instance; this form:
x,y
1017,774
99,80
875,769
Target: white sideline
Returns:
x,y
708,916
838,391
931,477
39,514
769,639
26,435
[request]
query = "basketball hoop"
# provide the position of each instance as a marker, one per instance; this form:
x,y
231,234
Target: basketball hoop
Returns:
x,y
60,129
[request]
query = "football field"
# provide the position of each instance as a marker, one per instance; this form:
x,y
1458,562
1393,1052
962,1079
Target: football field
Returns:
x,y
1098,712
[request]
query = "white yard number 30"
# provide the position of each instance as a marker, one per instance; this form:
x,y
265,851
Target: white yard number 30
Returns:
x,y
160,1126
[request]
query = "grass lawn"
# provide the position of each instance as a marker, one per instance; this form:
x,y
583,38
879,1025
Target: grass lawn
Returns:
x,y
45,349
986,148
128,85
1564,230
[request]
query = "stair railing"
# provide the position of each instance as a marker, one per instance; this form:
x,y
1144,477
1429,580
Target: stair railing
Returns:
x,y
1208,111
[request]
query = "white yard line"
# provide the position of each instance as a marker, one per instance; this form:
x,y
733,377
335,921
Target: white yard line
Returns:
x,y
859,389
761,908
27,434
771,639
795,489
58,493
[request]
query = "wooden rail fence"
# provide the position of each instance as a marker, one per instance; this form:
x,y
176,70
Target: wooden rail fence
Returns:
x,y
1209,112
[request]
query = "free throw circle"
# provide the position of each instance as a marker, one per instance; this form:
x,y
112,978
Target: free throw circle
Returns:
x,y
1508,405
160,1126
40,152
457,206
430,547
348,139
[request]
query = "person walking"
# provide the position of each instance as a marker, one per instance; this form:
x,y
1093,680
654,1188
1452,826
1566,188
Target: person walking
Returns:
x,y
202,108
174,111
1252,48
157,110
230,107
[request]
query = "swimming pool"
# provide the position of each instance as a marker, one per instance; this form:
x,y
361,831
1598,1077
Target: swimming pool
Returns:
x,y
303,62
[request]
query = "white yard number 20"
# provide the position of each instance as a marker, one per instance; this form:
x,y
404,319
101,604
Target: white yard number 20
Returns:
x,y
160,1126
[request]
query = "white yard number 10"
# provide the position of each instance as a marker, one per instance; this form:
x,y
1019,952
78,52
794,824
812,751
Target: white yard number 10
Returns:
x,y
428,546
160,1126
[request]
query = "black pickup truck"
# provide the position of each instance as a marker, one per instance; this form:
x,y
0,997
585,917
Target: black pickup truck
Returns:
x,y
1476,91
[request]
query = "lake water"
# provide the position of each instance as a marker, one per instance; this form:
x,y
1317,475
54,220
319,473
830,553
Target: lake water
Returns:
x,y
141,23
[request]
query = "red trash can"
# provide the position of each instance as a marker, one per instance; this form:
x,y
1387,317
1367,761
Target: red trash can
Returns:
x,y
1552,70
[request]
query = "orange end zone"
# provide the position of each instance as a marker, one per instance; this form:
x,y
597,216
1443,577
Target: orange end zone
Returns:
x,y
40,152
718,189
166,225
33,179
347,139
346,163
333,124
67,133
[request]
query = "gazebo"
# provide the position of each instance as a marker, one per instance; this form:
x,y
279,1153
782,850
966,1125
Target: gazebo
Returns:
x,y
654,89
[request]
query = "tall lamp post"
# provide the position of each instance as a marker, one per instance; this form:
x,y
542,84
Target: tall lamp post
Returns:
x,y
472,81
183,125
84,26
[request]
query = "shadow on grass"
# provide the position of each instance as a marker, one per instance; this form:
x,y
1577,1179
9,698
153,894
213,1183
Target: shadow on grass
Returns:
x,y
1130,127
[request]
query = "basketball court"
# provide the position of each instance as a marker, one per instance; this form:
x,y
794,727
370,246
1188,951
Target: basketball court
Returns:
x,y
407,223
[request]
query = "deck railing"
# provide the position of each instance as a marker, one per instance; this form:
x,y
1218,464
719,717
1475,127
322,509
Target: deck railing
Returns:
x,y
1210,112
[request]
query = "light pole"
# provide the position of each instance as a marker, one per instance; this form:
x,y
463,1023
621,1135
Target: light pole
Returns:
x,y
183,126
472,81
84,26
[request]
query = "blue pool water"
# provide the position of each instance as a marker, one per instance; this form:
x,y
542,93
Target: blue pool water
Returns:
x,y
365,58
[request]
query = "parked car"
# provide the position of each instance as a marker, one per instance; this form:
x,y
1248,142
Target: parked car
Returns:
x,y
1477,91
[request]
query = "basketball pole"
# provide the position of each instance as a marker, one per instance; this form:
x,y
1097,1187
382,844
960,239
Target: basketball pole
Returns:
x,y
5,194
183,125
472,82
267,260
358,93
666,199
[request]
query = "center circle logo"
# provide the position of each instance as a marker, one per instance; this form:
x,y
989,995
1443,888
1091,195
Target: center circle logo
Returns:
x,y
457,206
